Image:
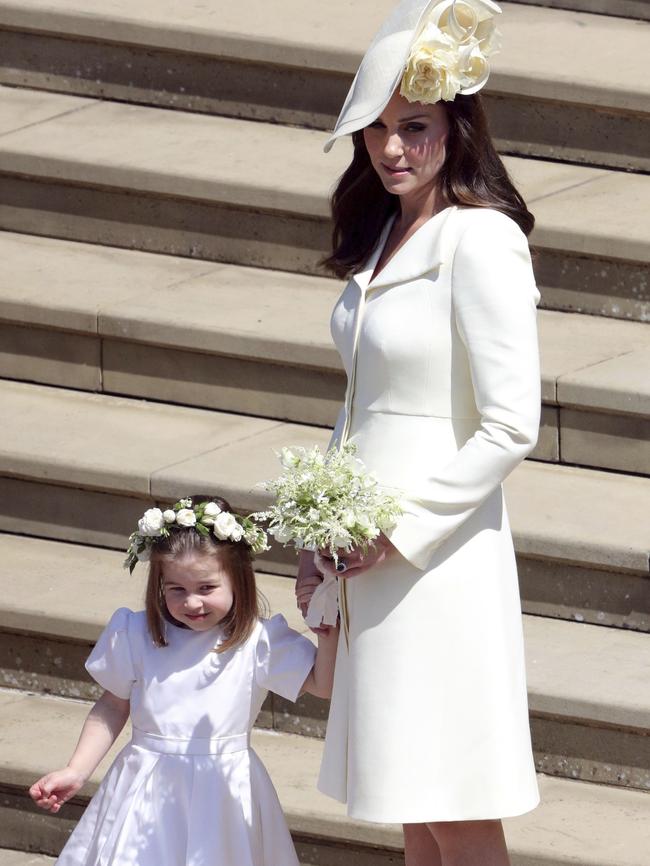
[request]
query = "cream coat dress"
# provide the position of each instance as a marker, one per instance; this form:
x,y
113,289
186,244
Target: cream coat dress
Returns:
x,y
429,716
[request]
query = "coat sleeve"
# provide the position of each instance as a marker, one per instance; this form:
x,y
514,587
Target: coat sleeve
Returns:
x,y
494,300
335,439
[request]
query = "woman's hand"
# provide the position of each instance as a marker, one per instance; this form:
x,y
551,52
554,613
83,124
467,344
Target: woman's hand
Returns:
x,y
356,561
52,791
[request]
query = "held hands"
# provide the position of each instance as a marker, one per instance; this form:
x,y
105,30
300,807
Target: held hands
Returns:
x,y
312,567
356,561
309,578
52,791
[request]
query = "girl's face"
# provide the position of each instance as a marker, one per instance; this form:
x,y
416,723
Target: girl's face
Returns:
x,y
197,590
406,145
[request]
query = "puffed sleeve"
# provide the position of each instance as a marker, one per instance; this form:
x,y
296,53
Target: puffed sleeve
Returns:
x,y
110,663
494,300
284,658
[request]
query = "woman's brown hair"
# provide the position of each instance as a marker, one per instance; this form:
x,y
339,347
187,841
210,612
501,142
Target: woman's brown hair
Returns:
x,y
472,175
235,556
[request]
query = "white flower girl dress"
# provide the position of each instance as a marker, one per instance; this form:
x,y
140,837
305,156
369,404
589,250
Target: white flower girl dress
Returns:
x,y
188,790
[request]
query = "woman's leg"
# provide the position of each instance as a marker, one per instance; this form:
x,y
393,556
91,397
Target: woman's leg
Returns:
x,y
420,848
470,843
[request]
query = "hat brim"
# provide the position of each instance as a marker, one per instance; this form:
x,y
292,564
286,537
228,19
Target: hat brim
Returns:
x,y
383,65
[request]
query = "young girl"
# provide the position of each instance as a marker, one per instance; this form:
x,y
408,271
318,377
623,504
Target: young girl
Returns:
x,y
192,671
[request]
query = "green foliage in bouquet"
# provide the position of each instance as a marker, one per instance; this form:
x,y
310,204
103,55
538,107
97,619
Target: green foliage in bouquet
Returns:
x,y
327,502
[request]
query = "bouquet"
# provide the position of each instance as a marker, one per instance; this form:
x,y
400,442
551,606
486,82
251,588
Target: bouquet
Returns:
x,y
327,502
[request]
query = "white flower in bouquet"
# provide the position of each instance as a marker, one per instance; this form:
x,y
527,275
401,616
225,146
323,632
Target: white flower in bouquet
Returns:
x,y
281,534
327,502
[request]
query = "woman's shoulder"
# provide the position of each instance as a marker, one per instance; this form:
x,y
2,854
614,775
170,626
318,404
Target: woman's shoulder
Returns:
x,y
486,219
487,234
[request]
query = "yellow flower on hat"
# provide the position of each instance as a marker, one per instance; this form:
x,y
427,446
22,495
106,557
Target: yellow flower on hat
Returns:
x,y
433,69
449,55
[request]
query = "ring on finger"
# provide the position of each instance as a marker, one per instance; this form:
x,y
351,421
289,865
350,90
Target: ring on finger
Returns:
x,y
341,566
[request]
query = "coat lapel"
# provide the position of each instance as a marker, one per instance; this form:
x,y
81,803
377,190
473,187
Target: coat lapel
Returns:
x,y
362,278
422,253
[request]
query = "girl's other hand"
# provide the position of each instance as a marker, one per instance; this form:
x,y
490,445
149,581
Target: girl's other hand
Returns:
x,y
309,578
52,791
356,561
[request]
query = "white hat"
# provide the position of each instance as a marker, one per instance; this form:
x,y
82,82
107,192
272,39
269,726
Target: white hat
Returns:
x,y
437,48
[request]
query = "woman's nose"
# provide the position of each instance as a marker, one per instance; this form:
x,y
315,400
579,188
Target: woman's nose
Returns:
x,y
393,146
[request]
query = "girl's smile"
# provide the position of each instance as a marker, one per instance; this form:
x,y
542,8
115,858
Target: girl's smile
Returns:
x,y
198,591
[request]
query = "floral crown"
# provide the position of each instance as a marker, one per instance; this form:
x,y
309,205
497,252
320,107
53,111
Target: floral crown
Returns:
x,y
450,53
205,518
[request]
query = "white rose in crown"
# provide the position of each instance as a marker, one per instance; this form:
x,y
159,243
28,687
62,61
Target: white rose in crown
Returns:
x,y
210,511
169,516
151,522
186,517
224,525
236,533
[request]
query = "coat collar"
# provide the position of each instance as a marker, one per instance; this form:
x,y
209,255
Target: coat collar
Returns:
x,y
422,252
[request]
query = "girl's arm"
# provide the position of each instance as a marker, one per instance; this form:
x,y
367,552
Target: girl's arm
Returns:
x,y
101,728
321,677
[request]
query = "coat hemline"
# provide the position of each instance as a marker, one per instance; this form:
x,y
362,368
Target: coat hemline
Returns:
x,y
506,812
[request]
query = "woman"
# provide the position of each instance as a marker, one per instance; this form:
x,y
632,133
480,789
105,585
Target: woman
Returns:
x,y
436,328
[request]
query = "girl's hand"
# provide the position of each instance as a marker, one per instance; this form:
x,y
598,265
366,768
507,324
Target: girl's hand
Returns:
x,y
52,791
356,561
309,578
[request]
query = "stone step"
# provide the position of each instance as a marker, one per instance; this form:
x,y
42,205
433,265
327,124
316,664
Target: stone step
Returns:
x,y
581,94
590,712
254,341
618,8
577,823
223,189
10,857
68,459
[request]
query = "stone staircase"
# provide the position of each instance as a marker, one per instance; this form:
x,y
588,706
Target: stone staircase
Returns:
x,y
163,321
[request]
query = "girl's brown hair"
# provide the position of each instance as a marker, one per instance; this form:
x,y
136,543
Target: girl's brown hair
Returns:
x,y
235,556
473,175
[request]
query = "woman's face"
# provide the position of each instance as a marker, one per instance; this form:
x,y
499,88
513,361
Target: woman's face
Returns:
x,y
407,145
